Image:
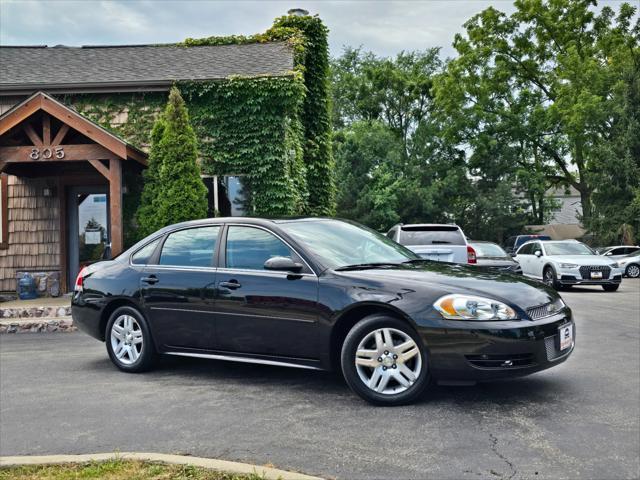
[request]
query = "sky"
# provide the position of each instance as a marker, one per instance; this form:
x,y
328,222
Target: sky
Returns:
x,y
384,27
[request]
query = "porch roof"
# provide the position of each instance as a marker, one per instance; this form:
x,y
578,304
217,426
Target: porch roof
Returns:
x,y
107,145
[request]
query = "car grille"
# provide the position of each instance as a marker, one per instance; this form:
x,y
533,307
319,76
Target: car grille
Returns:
x,y
546,310
553,351
501,361
585,271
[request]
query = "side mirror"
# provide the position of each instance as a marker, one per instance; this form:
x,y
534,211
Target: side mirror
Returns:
x,y
538,253
282,264
513,254
607,254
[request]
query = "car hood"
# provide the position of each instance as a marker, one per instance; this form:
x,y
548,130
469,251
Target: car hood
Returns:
x,y
451,278
581,259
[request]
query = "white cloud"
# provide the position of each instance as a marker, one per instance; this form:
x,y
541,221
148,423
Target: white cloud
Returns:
x,y
385,27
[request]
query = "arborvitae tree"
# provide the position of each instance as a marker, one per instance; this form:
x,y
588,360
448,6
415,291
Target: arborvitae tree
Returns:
x,y
147,214
181,196
173,191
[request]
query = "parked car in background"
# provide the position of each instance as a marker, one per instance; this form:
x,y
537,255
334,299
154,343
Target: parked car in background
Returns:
x,y
630,265
618,252
318,293
438,242
514,243
491,256
567,262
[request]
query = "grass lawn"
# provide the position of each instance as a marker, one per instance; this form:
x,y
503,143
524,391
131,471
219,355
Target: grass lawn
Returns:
x,y
117,470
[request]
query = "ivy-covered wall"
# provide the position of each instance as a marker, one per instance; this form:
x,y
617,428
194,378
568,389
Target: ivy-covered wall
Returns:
x,y
274,130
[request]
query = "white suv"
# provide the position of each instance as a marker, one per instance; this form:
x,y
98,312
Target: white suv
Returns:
x,y
568,262
433,241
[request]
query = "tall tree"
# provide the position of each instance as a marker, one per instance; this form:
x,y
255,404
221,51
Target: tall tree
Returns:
x,y
147,218
543,82
183,196
173,191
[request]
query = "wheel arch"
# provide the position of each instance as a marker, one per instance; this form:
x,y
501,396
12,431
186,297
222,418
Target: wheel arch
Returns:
x,y
111,307
350,317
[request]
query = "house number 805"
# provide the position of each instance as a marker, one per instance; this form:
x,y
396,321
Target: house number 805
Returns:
x,y
46,153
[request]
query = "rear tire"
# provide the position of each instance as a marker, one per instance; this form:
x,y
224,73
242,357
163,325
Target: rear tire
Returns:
x,y
129,342
384,361
610,288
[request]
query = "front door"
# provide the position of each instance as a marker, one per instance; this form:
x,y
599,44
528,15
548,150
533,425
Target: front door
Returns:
x,y
264,312
87,227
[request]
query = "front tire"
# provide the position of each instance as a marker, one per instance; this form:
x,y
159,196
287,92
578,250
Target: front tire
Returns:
x,y
550,279
129,342
610,288
632,271
384,361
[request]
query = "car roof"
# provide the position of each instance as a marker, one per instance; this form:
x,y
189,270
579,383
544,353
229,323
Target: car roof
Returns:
x,y
427,225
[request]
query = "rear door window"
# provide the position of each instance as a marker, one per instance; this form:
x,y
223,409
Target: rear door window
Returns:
x,y
440,235
142,256
193,247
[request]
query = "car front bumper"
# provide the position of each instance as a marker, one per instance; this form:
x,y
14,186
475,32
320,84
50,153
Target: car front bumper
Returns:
x,y
478,351
572,276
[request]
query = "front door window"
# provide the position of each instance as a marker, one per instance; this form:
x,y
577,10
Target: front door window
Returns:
x,y
88,227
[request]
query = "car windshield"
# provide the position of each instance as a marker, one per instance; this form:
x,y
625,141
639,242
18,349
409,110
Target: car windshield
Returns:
x,y
568,248
488,250
340,244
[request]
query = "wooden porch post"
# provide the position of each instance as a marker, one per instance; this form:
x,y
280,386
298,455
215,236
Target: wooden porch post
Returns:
x,y
115,195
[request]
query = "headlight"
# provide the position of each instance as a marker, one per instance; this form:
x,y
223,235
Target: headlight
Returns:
x,y
468,307
613,265
568,265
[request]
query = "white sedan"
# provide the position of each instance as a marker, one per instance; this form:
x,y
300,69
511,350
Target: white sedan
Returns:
x,y
567,262
630,265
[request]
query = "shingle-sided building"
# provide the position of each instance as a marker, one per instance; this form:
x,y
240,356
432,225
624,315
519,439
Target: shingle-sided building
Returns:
x,y
74,126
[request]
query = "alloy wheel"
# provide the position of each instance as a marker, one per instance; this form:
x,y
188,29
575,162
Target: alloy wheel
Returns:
x,y
548,277
633,271
388,361
126,339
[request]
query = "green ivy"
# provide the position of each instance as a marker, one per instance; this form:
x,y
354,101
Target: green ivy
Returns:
x,y
274,130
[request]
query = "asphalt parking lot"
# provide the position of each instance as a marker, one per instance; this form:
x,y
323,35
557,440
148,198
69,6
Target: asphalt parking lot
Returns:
x,y
59,393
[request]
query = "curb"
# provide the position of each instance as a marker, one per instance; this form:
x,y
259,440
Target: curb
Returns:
x,y
212,464
37,325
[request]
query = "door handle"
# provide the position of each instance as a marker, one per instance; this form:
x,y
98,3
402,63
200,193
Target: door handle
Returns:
x,y
151,279
232,284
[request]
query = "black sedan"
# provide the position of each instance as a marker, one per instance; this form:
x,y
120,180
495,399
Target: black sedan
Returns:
x,y
319,294
490,256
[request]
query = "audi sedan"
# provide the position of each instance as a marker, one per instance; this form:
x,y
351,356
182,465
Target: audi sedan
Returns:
x,y
320,294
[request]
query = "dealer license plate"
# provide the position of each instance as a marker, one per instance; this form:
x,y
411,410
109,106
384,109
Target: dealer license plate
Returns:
x,y
596,274
565,333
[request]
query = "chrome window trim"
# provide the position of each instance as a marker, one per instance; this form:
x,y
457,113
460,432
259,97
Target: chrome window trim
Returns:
x,y
314,274
267,273
178,267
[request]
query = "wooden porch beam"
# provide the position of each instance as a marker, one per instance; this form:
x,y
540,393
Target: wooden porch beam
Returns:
x,y
60,135
46,129
77,122
33,136
98,165
60,153
115,207
20,114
